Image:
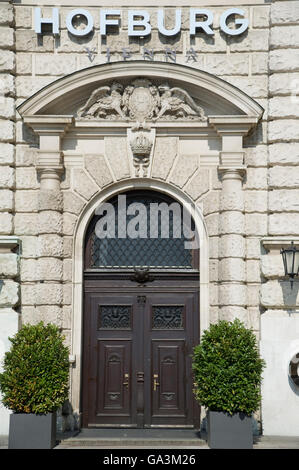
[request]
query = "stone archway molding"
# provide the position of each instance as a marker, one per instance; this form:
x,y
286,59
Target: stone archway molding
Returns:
x,y
69,84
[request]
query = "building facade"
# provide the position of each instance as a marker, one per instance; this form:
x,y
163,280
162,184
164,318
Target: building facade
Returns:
x,y
194,105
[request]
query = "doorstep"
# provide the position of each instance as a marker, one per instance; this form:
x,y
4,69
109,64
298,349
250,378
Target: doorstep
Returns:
x,y
129,438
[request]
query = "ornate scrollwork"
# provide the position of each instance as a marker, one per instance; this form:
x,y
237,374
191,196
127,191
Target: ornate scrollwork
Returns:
x,y
141,100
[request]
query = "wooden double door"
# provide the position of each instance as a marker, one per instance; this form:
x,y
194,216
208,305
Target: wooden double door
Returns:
x,y
138,344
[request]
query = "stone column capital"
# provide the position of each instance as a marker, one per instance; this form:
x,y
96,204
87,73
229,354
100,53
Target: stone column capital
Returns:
x,y
232,173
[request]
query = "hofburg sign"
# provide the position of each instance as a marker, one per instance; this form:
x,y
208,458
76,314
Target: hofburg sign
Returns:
x,y
200,20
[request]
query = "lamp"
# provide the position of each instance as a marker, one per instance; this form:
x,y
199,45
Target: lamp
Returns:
x,y
1,284
290,258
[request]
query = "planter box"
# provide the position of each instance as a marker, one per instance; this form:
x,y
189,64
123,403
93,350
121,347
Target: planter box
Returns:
x,y
30,431
229,432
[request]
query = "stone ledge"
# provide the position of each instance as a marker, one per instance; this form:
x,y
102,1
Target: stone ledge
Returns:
x,y
8,244
277,243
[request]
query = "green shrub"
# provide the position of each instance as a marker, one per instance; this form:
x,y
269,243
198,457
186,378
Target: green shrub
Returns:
x,y
36,370
227,369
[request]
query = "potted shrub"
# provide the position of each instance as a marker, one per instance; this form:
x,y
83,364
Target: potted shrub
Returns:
x,y
34,384
227,374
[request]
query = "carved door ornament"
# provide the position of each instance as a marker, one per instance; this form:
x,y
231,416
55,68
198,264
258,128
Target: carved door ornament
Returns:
x,y
141,275
140,101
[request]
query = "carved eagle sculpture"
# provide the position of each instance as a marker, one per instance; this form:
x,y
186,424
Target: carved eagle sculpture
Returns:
x,y
177,103
105,102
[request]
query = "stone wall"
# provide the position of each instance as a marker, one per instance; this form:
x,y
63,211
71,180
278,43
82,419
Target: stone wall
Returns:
x,y
9,245
245,276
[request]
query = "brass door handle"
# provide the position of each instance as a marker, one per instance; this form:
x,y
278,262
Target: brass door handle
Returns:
x,y
126,383
156,384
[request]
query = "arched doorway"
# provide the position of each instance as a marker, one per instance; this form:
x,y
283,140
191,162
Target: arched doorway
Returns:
x,y
141,315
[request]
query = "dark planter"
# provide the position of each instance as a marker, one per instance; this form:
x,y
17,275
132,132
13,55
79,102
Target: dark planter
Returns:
x,y
229,432
31,431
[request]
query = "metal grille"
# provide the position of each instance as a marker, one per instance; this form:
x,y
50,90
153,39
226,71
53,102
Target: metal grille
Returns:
x,y
168,317
114,317
159,252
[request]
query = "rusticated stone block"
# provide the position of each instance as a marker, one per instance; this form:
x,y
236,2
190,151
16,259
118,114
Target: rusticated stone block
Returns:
x,y
6,14
284,60
69,223
256,201
7,108
26,178
7,177
50,245
232,269
66,316
256,156
70,43
232,246
50,200
6,38
253,248
49,222
26,87
231,222
72,203
259,64
257,87
6,221
232,201
60,64
256,224
213,294
253,271
283,177
272,265
278,294
232,294
98,169
261,16
29,246
284,224
284,153
256,178
199,184
184,169
9,264
67,247
231,312
26,201
222,64
254,40
212,222
254,315
283,83
9,295
25,224
284,200
253,295
67,270
6,200
283,106
29,272
50,269
7,84
166,149
23,63
25,156
29,41
49,294
116,154
282,37
7,130
83,184
285,12
23,17
6,154
67,293
7,61
211,202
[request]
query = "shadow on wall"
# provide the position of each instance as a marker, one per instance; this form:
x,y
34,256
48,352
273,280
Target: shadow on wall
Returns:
x,y
289,293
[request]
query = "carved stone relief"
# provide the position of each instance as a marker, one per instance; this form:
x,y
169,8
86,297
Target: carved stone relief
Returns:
x,y
142,100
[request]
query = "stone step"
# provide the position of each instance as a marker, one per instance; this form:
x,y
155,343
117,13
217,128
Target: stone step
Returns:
x,y
123,442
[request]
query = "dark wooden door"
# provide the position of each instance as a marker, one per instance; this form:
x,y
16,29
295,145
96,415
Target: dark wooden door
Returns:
x,y
137,357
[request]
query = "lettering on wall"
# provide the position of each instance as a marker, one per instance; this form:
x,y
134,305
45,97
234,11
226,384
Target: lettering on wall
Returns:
x,y
139,25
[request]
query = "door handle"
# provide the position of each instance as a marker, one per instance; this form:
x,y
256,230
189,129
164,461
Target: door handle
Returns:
x,y
156,384
126,383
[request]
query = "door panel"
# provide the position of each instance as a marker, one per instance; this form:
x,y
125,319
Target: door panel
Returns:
x,y
137,358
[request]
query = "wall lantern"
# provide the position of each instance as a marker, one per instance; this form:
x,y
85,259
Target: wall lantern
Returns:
x,y
290,258
1,284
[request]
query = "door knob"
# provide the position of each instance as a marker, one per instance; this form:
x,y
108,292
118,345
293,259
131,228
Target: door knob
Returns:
x,y
156,384
126,382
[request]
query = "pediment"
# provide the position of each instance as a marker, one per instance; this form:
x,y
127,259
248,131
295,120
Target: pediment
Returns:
x,y
132,90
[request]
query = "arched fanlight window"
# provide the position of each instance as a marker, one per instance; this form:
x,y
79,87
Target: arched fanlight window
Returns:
x,y
144,229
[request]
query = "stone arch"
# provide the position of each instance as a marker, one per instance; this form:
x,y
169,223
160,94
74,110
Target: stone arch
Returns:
x,y
78,257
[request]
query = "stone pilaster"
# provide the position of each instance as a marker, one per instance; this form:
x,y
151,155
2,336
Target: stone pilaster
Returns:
x,y
232,266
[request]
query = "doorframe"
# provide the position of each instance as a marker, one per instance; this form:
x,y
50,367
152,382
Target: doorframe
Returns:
x,y
78,267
